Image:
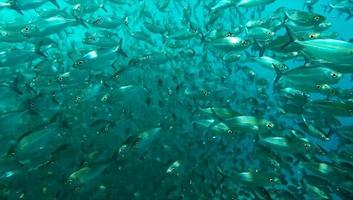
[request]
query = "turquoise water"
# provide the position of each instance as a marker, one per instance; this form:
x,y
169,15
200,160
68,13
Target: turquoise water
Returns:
x,y
160,99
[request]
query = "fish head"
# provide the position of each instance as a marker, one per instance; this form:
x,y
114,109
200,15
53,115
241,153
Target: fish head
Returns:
x,y
78,63
269,34
29,29
334,76
97,21
268,125
4,34
85,60
282,67
313,35
91,39
318,19
245,43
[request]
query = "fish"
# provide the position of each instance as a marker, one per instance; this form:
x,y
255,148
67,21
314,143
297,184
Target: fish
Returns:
x,y
325,49
92,58
252,3
304,18
249,124
45,27
306,78
213,99
22,5
228,44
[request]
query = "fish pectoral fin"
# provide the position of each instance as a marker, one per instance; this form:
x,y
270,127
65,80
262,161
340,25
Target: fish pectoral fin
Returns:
x,y
255,128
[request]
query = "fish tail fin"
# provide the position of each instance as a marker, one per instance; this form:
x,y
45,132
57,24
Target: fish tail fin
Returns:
x,y
304,120
330,8
55,3
246,31
126,21
13,4
134,61
261,48
202,37
292,37
285,13
80,21
350,15
208,8
119,48
38,50
103,7
240,15
278,76
248,55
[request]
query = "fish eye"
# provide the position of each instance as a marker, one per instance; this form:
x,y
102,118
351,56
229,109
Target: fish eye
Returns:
x,y
25,29
70,181
104,98
271,180
77,7
318,86
317,18
229,34
3,33
244,42
269,125
92,39
79,62
98,21
77,99
306,145
229,131
205,93
312,36
334,75
283,66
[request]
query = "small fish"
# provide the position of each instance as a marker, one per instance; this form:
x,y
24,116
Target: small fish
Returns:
x,y
249,124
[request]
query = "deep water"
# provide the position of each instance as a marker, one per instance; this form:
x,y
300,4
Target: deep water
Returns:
x,y
128,99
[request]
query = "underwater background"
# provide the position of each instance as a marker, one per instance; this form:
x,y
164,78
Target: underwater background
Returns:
x,y
184,99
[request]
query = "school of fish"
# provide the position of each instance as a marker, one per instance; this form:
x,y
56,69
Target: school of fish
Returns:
x,y
188,99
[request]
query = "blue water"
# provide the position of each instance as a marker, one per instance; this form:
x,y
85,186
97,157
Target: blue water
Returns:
x,y
157,112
